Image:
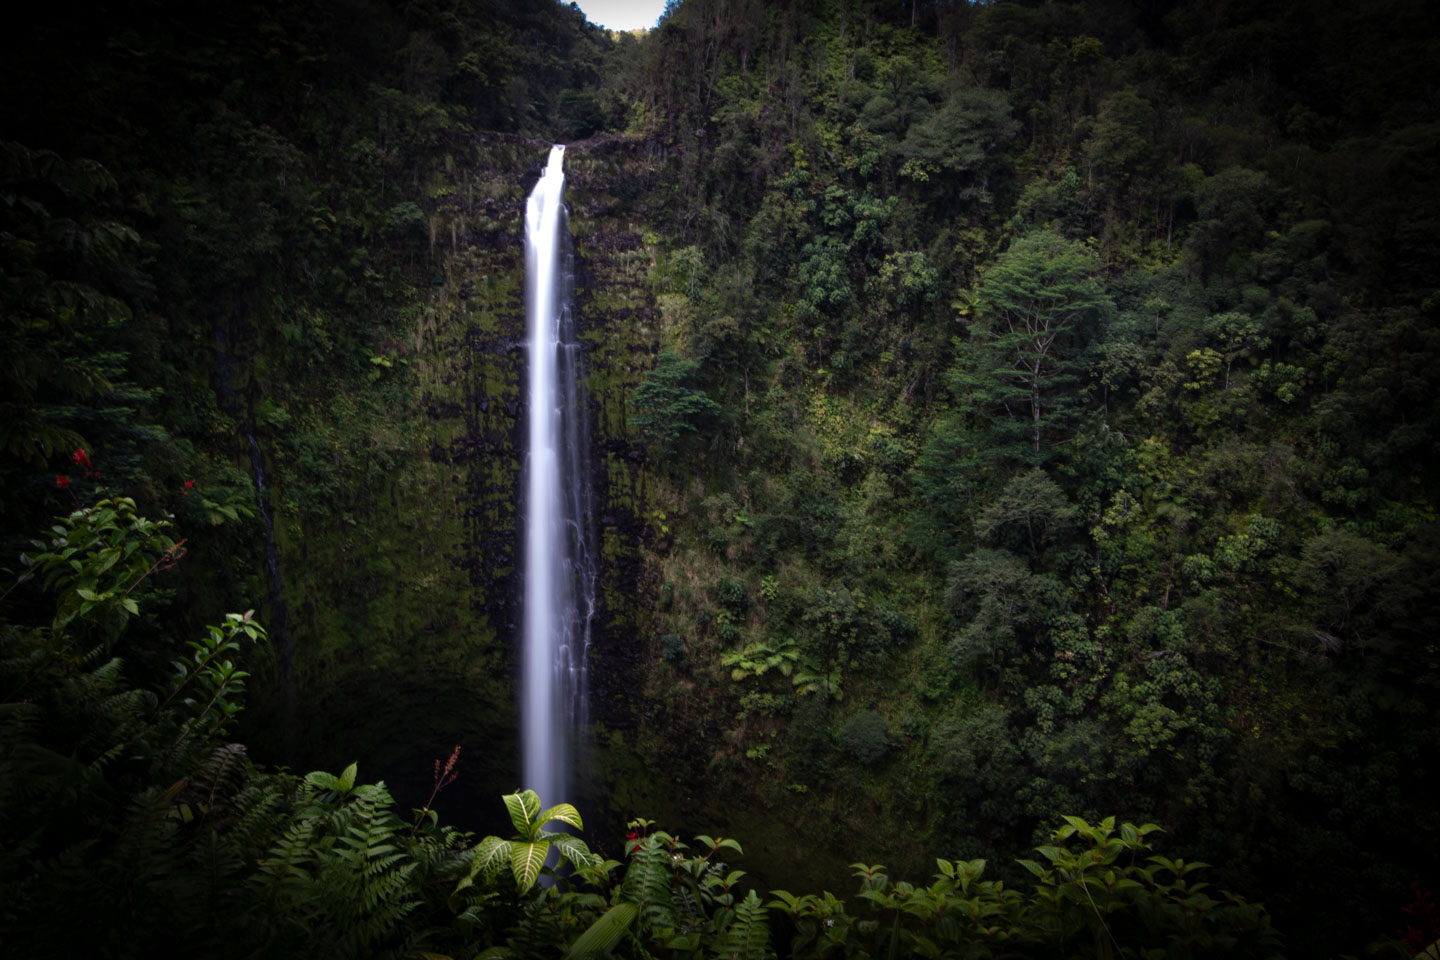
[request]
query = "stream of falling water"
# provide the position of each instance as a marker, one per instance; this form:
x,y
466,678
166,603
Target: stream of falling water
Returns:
x,y
559,562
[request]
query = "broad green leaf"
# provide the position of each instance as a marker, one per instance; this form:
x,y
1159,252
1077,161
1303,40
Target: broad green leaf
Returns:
x,y
563,812
106,560
605,932
347,778
523,808
526,859
490,853
573,848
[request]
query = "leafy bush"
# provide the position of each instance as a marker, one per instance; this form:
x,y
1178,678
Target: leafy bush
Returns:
x,y
666,408
864,738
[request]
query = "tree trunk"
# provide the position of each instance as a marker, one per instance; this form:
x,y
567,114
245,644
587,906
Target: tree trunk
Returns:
x,y
1035,410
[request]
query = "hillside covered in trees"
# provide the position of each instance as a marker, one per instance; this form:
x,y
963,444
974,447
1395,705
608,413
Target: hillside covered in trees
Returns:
x,y
1006,416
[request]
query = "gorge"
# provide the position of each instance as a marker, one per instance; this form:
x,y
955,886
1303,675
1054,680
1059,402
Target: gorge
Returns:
x,y
878,433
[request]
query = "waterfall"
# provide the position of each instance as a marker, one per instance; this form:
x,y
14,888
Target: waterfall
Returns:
x,y
559,562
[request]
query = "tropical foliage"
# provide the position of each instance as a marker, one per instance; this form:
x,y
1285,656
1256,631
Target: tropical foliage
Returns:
x,y
1003,412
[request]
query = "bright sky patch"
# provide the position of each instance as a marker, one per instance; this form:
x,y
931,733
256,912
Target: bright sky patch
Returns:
x,y
622,14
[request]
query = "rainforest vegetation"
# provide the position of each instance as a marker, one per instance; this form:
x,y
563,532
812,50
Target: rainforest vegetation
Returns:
x,y
1015,455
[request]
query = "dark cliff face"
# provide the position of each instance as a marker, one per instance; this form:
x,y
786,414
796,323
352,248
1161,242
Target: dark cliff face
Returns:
x,y
607,183
404,644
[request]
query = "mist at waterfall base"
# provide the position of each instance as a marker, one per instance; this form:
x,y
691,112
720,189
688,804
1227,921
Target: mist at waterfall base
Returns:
x,y
559,572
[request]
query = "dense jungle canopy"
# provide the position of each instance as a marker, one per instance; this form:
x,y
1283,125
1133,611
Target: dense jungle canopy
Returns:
x,y
1006,416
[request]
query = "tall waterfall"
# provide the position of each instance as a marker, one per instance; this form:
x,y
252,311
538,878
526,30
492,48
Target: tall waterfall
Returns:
x,y
559,561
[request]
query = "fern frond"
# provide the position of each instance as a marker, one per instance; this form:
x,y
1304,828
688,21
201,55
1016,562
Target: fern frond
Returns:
x,y
747,936
647,881
223,775
106,676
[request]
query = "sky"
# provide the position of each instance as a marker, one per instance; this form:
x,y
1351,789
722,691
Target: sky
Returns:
x,y
622,14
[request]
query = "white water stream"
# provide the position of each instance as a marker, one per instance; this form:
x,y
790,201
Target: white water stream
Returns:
x,y
559,566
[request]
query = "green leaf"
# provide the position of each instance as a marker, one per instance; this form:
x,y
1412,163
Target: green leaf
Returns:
x,y
572,848
323,780
106,560
787,901
347,778
526,859
605,932
563,812
523,808
130,606
725,843
490,853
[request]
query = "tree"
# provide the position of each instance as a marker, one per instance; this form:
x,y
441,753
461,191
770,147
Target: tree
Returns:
x,y
962,139
666,407
1238,334
1037,292
1001,601
1030,504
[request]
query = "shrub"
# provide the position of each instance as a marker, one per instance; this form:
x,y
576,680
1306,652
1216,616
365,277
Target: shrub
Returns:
x,y
864,738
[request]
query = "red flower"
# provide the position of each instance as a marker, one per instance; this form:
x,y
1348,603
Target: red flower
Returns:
x,y
185,488
82,459
62,481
